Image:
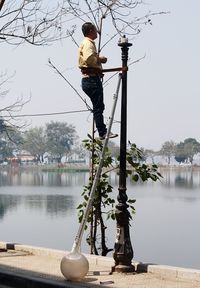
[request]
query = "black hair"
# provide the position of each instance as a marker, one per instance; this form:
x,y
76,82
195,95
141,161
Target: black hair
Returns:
x,y
87,27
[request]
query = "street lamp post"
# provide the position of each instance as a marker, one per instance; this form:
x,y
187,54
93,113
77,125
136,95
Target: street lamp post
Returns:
x,y
123,252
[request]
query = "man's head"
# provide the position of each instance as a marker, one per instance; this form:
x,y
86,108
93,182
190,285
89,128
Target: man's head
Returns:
x,y
89,30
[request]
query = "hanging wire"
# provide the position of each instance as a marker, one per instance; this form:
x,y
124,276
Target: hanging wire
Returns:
x,y
46,114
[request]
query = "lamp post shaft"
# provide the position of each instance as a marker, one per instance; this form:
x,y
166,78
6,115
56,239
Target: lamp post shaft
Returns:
x,y
123,252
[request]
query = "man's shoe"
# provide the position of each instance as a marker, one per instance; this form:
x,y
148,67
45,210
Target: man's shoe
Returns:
x,y
111,135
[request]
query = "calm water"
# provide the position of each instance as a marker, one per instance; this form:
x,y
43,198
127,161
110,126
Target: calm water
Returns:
x,y
40,209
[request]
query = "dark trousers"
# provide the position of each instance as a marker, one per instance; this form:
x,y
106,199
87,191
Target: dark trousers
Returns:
x,y
92,86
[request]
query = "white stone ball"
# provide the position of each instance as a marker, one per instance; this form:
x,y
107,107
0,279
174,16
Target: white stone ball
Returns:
x,y
74,266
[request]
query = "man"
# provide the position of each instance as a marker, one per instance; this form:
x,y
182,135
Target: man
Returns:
x,y
90,64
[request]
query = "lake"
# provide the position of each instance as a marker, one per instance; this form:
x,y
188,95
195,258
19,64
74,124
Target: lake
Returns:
x,y
39,208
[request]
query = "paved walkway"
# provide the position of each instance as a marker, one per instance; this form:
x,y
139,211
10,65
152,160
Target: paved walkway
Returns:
x,y
28,266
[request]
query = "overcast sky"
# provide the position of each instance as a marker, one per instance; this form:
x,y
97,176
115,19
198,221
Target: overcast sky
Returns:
x,y
163,88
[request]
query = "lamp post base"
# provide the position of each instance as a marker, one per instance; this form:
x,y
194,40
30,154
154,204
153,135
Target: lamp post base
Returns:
x,y
123,252
123,268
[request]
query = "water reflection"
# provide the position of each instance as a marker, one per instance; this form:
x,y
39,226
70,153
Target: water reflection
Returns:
x,y
59,204
39,209
53,205
24,191
38,178
8,203
184,178
42,191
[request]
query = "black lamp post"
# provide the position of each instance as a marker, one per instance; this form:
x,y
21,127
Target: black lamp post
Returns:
x,y
123,252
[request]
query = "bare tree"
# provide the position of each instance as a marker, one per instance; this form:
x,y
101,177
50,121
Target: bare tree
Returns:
x,y
119,14
37,22
8,112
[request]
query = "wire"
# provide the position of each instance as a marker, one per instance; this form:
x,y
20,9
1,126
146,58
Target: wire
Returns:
x,y
46,114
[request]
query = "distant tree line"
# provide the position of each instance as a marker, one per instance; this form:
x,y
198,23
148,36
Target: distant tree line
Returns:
x,y
182,152
56,138
60,139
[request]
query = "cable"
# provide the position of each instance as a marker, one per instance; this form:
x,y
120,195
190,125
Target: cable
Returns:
x,y
46,114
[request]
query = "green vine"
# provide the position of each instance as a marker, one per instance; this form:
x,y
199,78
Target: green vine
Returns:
x,y
103,204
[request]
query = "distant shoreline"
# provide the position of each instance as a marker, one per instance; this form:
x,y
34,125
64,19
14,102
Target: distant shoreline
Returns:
x,y
48,168
84,168
179,167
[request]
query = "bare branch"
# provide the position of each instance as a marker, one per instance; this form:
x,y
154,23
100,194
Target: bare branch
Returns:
x,y
1,4
61,74
36,22
7,120
121,13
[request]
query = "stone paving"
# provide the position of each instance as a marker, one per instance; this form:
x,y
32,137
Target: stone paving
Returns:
x,y
41,267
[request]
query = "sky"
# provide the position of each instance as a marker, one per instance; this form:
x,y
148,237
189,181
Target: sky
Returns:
x,y
163,87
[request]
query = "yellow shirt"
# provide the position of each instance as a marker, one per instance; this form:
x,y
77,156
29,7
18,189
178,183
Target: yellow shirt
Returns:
x,y
87,54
